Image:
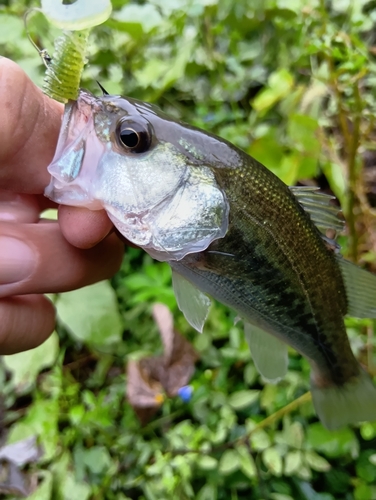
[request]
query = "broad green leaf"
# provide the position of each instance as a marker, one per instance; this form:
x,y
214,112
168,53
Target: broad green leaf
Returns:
x,y
207,492
363,491
332,443
206,462
41,420
260,440
241,399
273,461
97,459
280,84
302,130
247,464
293,435
268,151
91,314
316,462
25,366
229,462
304,473
365,469
293,462
68,488
335,174
280,496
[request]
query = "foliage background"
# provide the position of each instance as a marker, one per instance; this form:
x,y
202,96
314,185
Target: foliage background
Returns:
x,y
291,82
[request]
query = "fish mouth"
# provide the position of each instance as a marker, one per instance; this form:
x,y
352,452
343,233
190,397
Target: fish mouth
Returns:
x,y
70,174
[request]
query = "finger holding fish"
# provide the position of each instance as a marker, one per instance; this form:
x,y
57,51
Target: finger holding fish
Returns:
x,y
38,256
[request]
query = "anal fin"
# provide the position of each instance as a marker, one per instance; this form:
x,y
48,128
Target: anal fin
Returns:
x,y
360,289
269,353
191,301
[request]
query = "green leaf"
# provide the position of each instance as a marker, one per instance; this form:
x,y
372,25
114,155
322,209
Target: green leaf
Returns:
x,y
332,443
293,435
302,130
365,469
273,461
229,462
337,180
241,399
97,459
363,491
41,420
206,462
268,151
25,366
293,462
368,429
260,440
207,492
280,496
74,490
247,464
316,462
280,84
91,314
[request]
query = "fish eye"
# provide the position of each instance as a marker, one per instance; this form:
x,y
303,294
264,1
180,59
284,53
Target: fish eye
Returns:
x,y
133,136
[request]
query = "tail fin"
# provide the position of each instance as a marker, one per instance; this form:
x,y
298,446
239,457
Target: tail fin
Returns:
x,y
337,406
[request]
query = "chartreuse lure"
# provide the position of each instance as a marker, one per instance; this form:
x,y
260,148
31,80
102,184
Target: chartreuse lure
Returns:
x,y
64,70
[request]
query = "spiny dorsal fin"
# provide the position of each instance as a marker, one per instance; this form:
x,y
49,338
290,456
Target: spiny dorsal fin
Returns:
x,y
317,204
268,353
191,301
360,289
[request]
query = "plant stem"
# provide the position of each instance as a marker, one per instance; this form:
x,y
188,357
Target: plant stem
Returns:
x,y
353,175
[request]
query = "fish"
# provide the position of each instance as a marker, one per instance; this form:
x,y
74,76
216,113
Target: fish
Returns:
x,y
230,230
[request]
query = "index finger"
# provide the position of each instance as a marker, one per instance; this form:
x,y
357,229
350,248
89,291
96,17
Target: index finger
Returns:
x,y
29,128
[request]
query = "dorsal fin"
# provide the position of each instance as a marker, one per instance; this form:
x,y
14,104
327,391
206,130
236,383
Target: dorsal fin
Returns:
x,y
191,301
360,289
317,204
268,353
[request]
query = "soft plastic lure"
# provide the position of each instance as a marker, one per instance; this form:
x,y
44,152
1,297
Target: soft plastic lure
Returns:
x,y
64,70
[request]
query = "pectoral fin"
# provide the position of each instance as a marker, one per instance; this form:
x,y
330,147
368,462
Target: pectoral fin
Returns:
x,y
191,301
360,289
269,353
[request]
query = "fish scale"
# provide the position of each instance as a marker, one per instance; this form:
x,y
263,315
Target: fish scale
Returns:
x,y
298,244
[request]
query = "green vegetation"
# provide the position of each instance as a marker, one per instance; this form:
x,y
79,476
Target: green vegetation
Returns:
x,y
292,83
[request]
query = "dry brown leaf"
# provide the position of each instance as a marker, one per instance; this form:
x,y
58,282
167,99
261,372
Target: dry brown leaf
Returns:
x,y
150,378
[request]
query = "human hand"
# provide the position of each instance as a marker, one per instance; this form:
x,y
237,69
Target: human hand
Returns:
x,y
39,256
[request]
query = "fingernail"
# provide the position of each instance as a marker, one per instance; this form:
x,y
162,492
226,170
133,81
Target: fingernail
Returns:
x,y
17,260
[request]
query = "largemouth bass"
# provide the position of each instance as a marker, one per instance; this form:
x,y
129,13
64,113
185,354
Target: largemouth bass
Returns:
x,y
230,229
